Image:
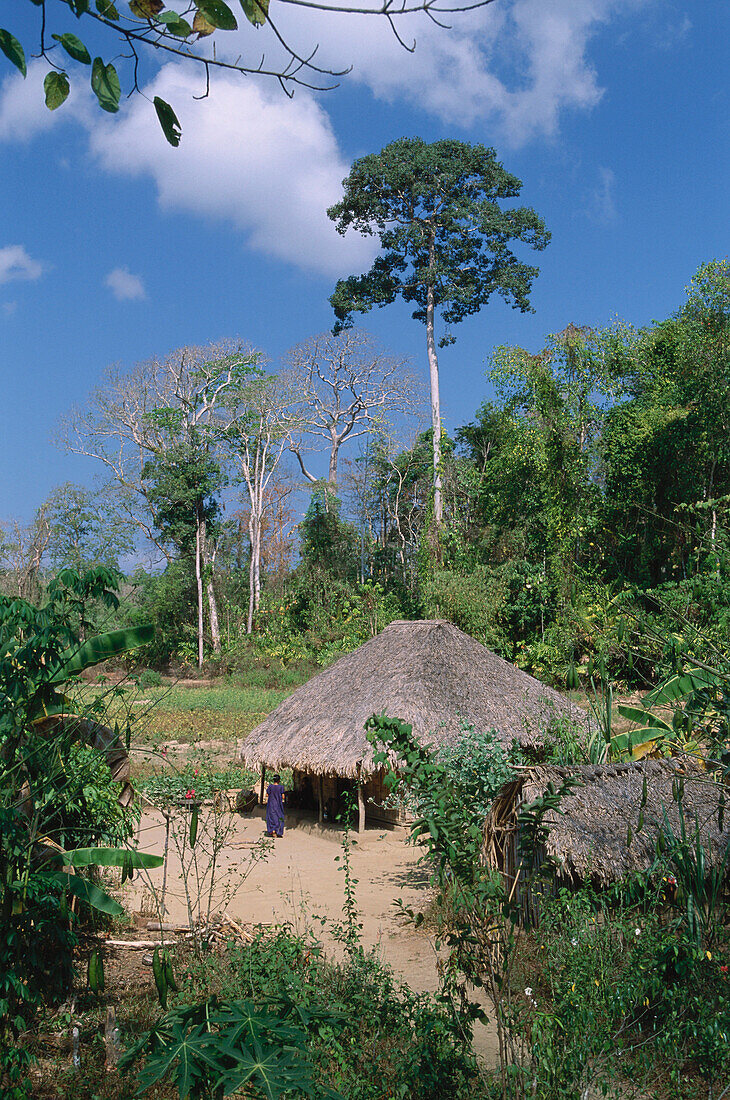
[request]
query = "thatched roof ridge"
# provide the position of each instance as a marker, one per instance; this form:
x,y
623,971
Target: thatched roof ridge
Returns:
x,y
428,673
588,839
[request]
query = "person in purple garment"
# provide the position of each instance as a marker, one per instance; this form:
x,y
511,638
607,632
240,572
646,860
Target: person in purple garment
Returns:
x,y
275,808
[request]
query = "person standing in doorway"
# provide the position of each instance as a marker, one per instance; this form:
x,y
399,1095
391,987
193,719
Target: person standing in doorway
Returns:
x,y
275,808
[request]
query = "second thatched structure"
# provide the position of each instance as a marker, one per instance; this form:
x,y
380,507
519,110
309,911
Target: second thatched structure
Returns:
x,y
608,825
428,673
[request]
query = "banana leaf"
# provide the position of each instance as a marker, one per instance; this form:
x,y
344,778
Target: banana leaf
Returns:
x,y
678,687
646,718
635,741
111,857
90,893
101,648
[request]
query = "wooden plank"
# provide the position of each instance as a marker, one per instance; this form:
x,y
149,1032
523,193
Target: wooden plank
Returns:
x,y
320,798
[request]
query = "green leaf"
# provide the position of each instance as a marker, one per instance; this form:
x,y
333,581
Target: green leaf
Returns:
x,y
629,742
103,646
180,1053
79,7
217,13
644,718
105,85
13,50
91,894
74,47
168,121
107,10
175,25
56,89
110,857
255,11
695,679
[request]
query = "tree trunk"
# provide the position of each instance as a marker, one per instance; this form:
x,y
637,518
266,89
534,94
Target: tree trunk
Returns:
x,y
254,568
433,367
332,475
199,581
215,632
251,571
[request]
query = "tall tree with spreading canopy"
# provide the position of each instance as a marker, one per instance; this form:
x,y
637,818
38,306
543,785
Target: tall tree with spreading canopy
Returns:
x,y
445,242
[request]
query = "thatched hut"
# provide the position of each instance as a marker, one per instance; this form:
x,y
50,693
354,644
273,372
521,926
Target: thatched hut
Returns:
x,y
428,673
595,836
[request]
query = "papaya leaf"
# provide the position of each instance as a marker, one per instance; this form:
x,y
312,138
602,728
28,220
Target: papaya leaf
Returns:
x,y
168,121
13,50
74,47
56,88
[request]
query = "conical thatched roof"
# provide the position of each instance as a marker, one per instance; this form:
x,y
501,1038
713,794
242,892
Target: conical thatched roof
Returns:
x,y
588,840
428,673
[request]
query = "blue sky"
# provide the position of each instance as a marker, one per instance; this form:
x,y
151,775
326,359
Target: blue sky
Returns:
x,y
115,248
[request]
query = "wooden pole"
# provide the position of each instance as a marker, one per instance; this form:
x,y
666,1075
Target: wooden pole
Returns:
x,y
360,803
320,799
263,779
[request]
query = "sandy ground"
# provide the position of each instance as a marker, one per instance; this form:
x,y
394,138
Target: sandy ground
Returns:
x,y
299,882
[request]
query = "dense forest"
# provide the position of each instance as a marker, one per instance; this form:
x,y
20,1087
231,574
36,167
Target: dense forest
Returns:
x,y
584,505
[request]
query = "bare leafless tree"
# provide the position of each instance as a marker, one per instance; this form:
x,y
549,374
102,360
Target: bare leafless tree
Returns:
x,y
137,416
344,387
257,437
22,549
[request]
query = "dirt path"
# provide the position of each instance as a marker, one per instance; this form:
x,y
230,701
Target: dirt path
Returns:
x,y
300,882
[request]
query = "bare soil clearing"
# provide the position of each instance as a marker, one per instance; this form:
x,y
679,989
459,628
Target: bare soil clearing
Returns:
x,y
300,883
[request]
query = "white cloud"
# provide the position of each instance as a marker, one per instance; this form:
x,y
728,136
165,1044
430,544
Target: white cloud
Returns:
x,y
16,264
9,308
124,286
517,66
23,111
248,155
270,166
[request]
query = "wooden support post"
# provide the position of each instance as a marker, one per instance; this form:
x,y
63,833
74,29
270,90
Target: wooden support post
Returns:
x,y
263,779
360,803
320,799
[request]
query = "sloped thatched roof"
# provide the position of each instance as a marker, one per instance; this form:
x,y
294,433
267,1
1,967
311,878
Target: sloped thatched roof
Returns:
x,y
588,840
428,673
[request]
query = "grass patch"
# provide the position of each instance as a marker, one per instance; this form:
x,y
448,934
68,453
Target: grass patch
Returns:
x,y
191,714
224,711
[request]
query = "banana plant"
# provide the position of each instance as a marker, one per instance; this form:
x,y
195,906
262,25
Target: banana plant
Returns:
x,y
692,695
40,652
